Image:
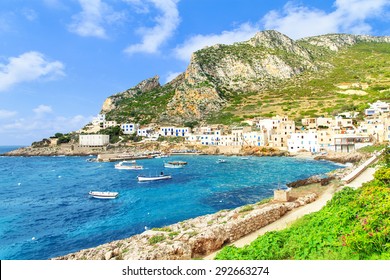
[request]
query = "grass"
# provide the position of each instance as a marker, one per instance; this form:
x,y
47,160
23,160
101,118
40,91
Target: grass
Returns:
x,y
354,225
372,149
156,239
316,94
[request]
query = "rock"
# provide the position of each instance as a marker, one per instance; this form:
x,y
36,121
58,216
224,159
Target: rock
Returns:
x,y
108,255
194,237
111,102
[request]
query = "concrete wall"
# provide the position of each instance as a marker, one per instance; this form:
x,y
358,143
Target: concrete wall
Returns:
x,y
94,140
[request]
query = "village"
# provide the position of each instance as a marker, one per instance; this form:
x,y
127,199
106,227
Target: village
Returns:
x,y
342,133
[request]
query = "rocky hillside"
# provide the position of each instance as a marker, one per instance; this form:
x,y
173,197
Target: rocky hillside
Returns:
x,y
268,74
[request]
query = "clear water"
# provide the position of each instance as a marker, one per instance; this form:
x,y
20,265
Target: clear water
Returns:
x,y
46,211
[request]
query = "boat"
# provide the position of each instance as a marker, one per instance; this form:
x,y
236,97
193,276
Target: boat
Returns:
x,y
170,165
104,195
136,167
221,161
142,178
244,158
177,162
123,165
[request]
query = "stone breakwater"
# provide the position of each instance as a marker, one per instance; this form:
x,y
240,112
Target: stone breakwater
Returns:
x,y
192,238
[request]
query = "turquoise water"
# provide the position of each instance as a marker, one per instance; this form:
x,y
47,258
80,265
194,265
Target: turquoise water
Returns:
x,y
46,211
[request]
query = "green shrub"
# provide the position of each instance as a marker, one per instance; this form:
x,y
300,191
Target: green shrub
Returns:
x,y
355,224
246,208
156,239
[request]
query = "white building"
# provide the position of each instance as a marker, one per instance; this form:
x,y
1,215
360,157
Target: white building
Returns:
x,y
93,140
374,127
303,141
272,123
174,131
129,128
378,107
99,119
145,131
107,124
167,131
254,138
181,131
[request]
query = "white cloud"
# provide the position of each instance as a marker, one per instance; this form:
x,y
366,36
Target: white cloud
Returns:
x,y
5,114
28,66
89,21
28,129
242,33
349,16
165,25
171,76
93,18
42,109
29,14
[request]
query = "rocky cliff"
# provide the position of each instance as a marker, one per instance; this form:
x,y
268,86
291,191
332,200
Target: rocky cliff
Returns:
x,y
218,75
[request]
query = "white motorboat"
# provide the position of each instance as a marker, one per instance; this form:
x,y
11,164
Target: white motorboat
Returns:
x,y
178,162
170,165
221,161
153,178
104,195
136,167
124,165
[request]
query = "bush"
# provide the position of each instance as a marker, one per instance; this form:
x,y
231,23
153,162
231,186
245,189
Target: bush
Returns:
x,y
355,224
383,176
156,239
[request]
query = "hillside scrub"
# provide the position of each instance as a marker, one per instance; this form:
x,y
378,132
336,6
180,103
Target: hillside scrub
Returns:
x,y
354,225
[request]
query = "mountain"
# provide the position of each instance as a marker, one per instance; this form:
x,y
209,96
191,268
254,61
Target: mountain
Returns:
x,y
266,75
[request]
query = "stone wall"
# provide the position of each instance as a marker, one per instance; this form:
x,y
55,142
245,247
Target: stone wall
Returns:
x,y
192,238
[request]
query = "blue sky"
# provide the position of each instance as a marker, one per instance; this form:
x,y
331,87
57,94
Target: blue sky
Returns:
x,y
60,59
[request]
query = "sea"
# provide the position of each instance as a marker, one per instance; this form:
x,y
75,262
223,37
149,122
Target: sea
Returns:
x,y
46,210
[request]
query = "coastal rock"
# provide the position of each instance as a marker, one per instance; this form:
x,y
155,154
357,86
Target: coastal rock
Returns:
x,y
194,237
343,158
108,255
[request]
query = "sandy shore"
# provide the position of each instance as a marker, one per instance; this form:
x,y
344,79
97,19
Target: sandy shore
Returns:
x,y
295,214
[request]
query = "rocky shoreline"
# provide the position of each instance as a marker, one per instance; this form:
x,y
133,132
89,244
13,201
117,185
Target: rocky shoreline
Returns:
x,y
203,235
193,238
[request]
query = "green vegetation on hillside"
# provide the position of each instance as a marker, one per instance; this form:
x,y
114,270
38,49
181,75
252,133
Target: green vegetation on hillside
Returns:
x,y
354,225
314,94
142,108
346,80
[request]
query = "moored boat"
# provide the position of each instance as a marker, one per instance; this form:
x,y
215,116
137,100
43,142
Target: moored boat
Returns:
x,y
123,165
169,165
221,161
103,195
142,178
136,167
178,162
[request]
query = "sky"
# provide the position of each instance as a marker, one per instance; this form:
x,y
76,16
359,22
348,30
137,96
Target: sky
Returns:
x,y
60,59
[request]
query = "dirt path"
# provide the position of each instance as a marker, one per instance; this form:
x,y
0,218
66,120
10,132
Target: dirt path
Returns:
x,y
297,213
